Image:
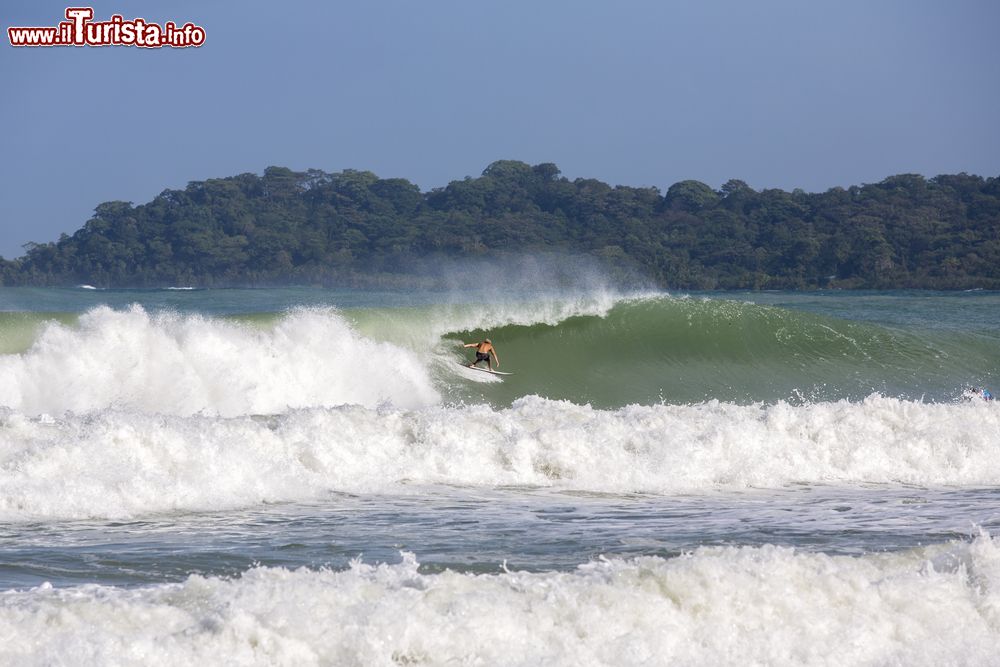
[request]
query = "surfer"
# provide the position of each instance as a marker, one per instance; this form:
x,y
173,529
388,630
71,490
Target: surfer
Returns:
x,y
483,352
978,392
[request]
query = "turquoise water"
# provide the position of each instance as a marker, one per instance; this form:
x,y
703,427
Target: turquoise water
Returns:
x,y
216,461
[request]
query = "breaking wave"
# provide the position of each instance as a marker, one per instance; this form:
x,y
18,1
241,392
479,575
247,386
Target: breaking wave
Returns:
x,y
721,606
601,349
117,464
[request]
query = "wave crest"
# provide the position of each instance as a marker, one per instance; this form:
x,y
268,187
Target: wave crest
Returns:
x,y
121,464
188,364
720,606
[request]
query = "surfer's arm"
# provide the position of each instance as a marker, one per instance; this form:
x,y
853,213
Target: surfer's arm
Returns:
x,y
470,345
493,351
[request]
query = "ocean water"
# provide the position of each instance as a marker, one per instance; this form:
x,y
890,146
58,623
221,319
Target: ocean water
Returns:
x,y
310,477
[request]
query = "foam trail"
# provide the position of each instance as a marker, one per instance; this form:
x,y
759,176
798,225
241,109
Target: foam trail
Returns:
x,y
185,365
716,606
123,464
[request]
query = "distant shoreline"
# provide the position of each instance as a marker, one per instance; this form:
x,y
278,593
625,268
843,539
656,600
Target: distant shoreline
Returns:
x,y
354,229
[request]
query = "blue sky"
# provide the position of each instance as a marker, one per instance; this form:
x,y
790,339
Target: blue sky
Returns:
x,y
779,93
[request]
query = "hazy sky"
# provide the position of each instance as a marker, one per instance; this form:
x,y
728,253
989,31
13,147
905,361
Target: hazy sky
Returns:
x,y
788,94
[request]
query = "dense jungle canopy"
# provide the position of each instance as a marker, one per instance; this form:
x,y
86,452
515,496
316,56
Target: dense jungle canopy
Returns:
x,y
354,228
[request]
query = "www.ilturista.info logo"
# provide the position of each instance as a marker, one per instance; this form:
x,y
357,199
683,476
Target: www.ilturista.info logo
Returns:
x,y
80,30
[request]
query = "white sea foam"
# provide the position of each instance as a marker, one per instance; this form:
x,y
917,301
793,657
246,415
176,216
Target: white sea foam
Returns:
x,y
120,464
184,365
716,606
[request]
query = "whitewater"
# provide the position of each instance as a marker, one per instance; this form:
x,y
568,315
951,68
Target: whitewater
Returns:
x,y
304,476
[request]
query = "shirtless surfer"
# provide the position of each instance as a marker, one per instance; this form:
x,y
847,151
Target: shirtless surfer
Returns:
x,y
483,352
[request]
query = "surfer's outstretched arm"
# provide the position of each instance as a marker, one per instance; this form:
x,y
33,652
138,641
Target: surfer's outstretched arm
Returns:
x,y
470,345
495,357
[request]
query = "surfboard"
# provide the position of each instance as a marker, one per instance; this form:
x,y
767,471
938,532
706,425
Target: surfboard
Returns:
x,y
483,370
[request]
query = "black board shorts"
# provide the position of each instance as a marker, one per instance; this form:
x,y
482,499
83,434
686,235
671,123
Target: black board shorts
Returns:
x,y
480,356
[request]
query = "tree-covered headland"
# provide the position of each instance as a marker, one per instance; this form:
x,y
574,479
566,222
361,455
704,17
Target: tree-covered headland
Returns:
x,y
354,228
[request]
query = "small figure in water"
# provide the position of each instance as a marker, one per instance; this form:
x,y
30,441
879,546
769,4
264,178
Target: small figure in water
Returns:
x,y
981,393
483,352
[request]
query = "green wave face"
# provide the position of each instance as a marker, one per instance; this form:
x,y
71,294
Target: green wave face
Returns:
x,y
692,350
602,350
18,330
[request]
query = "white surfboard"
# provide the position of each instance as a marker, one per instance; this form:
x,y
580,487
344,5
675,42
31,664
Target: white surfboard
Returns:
x,y
483,370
